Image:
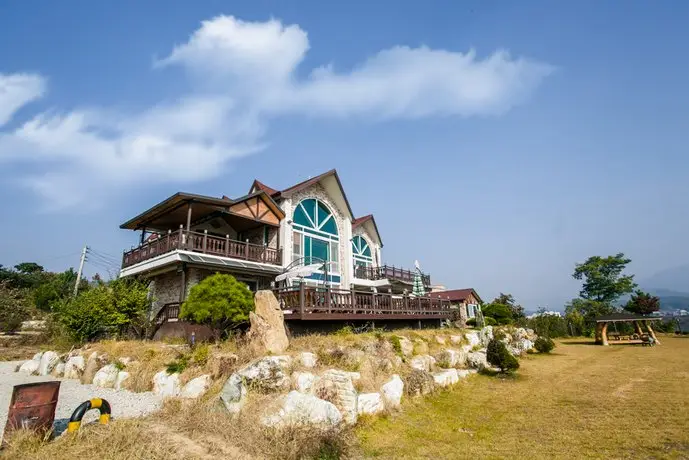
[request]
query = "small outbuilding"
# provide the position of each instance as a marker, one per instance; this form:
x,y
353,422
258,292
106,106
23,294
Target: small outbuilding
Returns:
x,y
604,337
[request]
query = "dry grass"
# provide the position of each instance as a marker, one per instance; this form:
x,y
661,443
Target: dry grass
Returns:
x,y
581,401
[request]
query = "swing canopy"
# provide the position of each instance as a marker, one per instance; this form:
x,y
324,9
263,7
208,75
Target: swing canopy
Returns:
x,y
603,337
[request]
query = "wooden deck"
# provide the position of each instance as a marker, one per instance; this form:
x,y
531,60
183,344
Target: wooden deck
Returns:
x,y
204,244
389,272
307,303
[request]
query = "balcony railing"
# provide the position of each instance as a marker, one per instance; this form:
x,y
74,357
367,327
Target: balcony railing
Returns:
x,y
389,272
202,243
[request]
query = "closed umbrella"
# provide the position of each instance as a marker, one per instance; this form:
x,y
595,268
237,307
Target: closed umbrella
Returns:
x,y
417,288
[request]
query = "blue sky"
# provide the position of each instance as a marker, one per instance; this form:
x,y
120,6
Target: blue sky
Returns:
x,y
565,134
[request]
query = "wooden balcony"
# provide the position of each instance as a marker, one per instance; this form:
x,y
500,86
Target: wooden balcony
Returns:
x,y
311,303
389,272
202,243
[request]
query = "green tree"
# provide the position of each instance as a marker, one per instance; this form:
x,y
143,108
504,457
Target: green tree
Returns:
x,y
604,281
29,268
642,303
548,325
517,311
583,312
501,313
56,287
13,308
499,356
219,301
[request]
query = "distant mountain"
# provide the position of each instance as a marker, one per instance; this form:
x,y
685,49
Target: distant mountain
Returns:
x,y
671,300
671,279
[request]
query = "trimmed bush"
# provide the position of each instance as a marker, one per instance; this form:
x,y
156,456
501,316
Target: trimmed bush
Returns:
x,y
488,321
471,322
498,356
544,344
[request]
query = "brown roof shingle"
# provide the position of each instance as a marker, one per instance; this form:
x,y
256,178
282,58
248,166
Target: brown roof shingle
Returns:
x,y
456,295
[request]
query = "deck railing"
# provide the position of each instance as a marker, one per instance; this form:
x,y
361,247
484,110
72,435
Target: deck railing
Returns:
x,y
307,302
204,243
389,272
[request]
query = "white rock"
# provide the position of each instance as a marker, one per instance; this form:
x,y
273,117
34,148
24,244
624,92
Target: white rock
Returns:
x,y
520,333
456,339
486,335
523,345
446,377
304,382
268,373
196,387
473,339
422,362
464,373
477,359
233,394
37,356
392,391
370,403
451,358
166,385
59,370
74,367
337,387
106,376
300,409
440,339
49,360
355,376
30,367
122,376
406,346
126,360
308,360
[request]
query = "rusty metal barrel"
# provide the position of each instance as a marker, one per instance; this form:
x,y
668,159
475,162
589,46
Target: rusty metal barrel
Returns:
x,y
33,407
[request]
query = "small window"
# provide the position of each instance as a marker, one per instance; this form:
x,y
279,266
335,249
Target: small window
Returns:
x,y
297,246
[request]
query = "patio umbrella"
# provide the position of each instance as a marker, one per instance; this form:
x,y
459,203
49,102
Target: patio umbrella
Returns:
x,y
417,288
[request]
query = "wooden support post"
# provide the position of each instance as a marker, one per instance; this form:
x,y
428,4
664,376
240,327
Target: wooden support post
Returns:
x,y
637,327
301,299
189,216
181,242
604,334
652,333
227,245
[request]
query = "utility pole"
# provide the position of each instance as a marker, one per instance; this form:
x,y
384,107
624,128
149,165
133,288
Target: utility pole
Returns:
x,y
81,269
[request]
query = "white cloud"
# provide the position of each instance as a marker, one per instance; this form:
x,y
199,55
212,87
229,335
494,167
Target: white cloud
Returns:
x,y
16,91
243,75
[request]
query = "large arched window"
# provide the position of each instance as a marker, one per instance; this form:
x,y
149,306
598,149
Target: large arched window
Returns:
x,y
362,252
315,235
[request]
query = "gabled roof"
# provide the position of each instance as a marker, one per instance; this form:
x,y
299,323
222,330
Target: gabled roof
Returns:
x,y
359,221
456,295
276,194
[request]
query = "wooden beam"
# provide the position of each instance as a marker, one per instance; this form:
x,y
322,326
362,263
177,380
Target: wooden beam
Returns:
x,y
189,216
652,333
605,334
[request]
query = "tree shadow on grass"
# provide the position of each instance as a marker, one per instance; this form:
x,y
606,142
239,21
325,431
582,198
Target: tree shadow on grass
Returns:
x,y
579,342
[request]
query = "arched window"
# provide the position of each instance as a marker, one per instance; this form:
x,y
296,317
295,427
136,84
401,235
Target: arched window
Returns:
x,y
315,235
362,252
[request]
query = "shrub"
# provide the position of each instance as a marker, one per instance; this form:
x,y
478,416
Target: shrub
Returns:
x,y
345,331
544,344
471,322
219,301
501,313
488,321
13,309
498,355
396,345
201,354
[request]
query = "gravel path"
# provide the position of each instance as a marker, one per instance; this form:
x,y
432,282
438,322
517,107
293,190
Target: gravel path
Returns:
x,y
124,403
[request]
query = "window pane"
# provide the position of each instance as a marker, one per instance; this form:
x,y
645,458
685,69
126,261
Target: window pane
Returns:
x,y
310,207
296,246
335,266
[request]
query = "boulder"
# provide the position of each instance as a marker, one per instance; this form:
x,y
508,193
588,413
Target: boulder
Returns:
x,y
477,359
531,335
304,382
74,367
486,335
420,347
446,377
523,345
355,376
406,347
166,385
464,373
307,359
473,339
106,376
59,370
268,373
392,391
37,356
422,362
267,332
30,367
520,333
299,409
419,382
196,387
370,403
49,360
440,339
125,360
233,394
337,387
450,358
92,366
221,364
122,376
456,339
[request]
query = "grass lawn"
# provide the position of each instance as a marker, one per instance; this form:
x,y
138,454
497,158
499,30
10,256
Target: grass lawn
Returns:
x,y
582,400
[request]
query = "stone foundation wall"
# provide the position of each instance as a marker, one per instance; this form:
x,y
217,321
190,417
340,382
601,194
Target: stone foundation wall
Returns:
x,y
165,288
